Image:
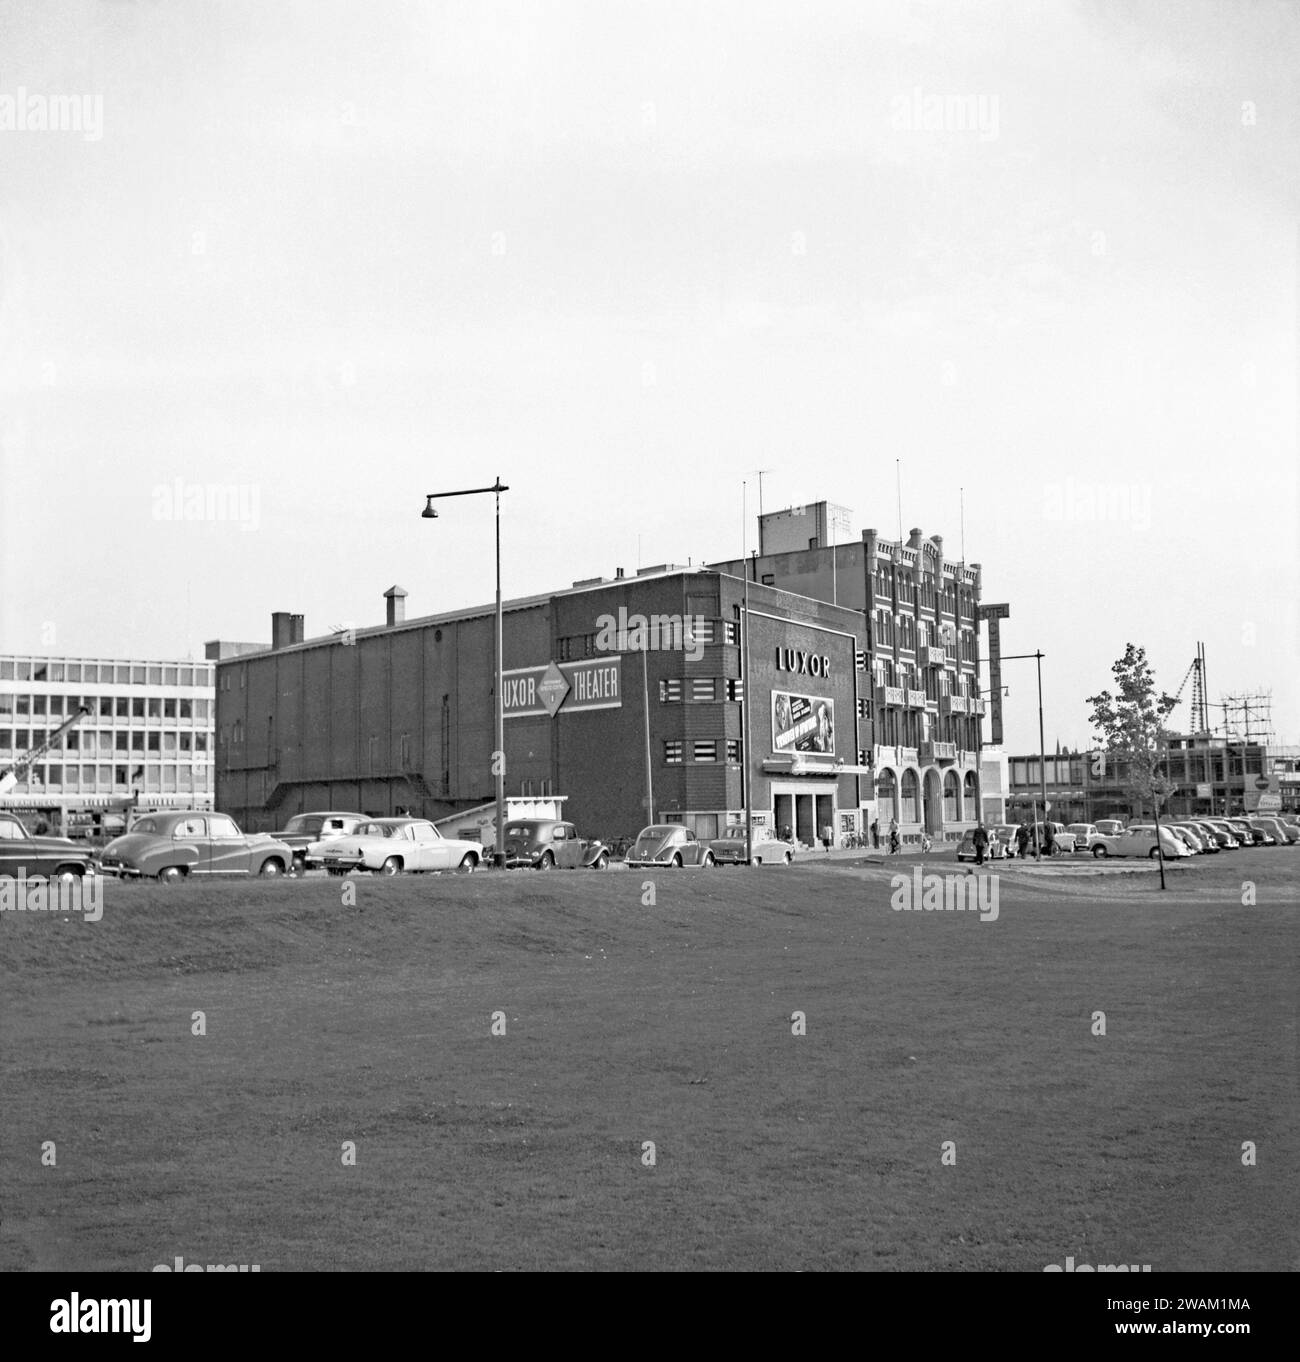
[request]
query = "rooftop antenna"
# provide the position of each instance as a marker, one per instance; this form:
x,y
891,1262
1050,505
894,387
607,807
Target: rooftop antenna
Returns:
x,y
898,478
758,473
963,526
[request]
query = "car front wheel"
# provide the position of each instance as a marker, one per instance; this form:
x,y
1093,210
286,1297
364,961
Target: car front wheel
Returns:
x,y
675,863
709,862
392,866
172,874
547,862
602,861
1153,854
468,864
1099,852
270,868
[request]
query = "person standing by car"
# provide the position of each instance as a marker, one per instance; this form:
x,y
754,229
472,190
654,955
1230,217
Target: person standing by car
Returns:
x,y
1049,840
1022,841
980,837
995,847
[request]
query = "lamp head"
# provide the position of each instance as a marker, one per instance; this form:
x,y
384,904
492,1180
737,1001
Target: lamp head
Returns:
x,y
428,513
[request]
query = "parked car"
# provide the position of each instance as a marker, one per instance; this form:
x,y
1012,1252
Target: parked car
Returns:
x,y
670,844
1284,832
1202,838
1064,840
1110,827
1244,833
547,843
1007,837
1189,839
305,828
1085,835
1003,848
53,857
1261,829
767,848
1141,841
190,843
1228,839
394,846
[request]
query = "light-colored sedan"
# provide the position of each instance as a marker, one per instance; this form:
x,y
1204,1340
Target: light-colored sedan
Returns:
x,y
767,848
394,846
1085,835
1141,841
671,845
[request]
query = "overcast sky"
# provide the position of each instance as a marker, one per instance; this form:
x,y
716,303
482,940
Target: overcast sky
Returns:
x,y
334,256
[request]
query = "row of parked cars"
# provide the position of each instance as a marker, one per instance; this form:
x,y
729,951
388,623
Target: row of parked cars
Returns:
x,y
1178,837
194,843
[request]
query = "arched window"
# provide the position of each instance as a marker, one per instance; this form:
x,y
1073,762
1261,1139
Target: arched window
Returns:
x,y
951,798
972,795
911,798
887,797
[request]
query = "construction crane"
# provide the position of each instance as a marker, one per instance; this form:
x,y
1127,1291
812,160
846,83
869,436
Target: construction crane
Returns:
x,y
1200,720
20,769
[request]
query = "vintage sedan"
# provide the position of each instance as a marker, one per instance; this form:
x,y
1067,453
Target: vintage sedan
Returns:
x,y
767,849
395,846
671,845
1138,841
190,844
999,848
547,843
21,853
305,828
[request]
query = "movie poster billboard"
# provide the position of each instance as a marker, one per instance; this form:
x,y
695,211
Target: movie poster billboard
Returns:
x,y
802,723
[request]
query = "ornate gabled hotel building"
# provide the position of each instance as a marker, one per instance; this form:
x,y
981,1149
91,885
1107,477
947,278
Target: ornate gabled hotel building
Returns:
x,y
924,709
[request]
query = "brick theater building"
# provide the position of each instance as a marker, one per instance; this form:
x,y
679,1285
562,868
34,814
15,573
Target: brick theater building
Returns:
x,y
622,695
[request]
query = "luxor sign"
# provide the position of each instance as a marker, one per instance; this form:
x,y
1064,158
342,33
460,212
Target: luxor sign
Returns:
x,y
802,663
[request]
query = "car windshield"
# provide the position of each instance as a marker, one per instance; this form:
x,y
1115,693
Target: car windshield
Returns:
x,y
144,825
304,823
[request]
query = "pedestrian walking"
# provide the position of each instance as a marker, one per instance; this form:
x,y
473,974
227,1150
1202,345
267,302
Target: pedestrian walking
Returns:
x,y
1022,840
894,840
1049,840
875,833
981,839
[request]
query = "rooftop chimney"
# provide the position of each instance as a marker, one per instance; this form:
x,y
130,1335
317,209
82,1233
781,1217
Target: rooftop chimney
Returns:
x,y
914,539
295,628
281,629
396,598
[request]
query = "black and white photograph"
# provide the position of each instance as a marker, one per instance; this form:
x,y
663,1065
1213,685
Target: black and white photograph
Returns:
x,y
649,636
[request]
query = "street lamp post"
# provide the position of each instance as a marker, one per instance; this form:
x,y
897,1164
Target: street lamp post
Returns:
x,y
1042,754
499,757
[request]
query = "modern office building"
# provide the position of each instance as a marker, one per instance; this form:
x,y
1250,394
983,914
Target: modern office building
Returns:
x,y
1212,775
145,740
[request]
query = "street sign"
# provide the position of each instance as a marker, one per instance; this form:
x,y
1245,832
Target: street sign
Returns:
x,y
553,687
1262,782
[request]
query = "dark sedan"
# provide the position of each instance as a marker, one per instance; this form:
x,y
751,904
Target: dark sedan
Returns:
x,y
548,843
56,857
177,846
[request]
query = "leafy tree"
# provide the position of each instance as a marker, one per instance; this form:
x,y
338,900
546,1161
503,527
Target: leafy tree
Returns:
x,y
1131,726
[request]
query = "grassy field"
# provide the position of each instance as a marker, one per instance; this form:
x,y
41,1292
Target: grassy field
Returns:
x,y
669,1023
